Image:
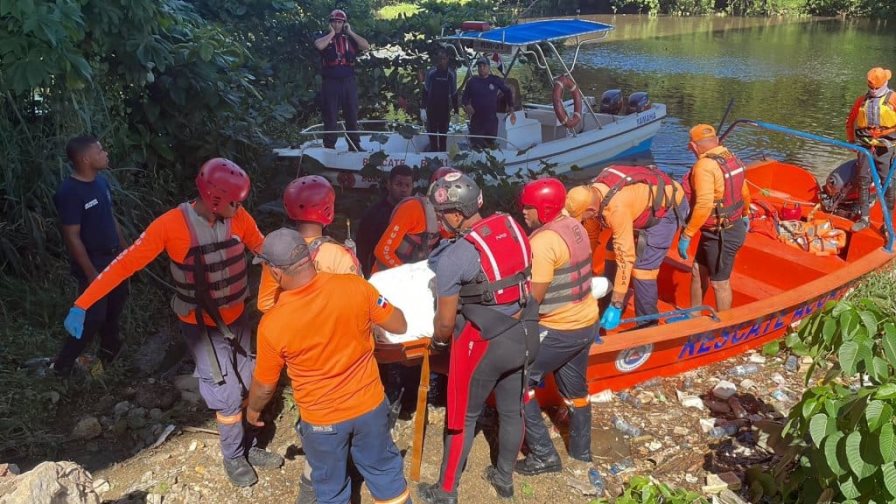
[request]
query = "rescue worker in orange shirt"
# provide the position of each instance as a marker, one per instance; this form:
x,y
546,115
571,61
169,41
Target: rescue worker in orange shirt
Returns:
x,y
567,326
206,242
646,200
413,230
320,331
578,205
483,274
720,202
310,202
872,124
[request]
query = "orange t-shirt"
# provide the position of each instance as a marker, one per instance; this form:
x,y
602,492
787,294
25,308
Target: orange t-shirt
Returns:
x,y
330,258
170,233
409,217
321,332
708,185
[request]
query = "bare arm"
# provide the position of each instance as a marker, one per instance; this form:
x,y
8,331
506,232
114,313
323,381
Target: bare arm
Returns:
x,y
260,395
324,41
362,43
396,323
72,237
539,290
446,314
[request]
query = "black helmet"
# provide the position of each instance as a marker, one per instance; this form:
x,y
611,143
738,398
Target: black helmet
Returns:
x,y
455,191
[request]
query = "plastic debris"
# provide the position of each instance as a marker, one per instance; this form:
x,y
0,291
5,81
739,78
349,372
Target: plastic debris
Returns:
x,y
792,365
723,431
597,481
780,395
744,369
625,427
604,396
629,399
622,466
689,401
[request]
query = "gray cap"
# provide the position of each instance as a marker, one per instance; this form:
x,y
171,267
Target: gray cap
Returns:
x,y
483,61
283,248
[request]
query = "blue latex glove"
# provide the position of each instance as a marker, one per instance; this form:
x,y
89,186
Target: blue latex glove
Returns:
x,y
683,243
746,222
74,322
610,318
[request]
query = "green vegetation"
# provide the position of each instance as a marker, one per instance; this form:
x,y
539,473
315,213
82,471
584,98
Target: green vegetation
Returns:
x,y
645,490
860,8
841,433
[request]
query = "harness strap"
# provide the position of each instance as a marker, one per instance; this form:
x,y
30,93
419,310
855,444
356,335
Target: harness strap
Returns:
x,y
214,268
219,285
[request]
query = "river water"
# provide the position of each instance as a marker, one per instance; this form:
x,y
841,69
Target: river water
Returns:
x,y
802,73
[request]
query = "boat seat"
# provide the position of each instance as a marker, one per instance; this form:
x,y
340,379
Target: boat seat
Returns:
x,y
522,135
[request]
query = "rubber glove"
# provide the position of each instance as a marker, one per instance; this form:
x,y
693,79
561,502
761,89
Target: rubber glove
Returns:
x,y
746,223
683,243
610,318
74,322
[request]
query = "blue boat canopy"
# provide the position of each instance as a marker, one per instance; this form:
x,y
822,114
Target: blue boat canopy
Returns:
x,y
535,32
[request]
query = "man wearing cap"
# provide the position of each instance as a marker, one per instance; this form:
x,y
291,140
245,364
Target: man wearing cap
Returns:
x,y
320,331
480,100
840,192
339,50
206,241
872,124
720,203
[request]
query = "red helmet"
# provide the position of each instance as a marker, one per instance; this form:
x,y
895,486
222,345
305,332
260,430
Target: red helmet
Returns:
x,y
441,172
338,15
547,196
221,182
310,198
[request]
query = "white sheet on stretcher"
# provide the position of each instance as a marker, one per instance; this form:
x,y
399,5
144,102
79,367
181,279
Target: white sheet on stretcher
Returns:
x,y
408,288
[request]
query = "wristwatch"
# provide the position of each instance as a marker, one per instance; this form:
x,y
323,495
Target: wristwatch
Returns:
x,y
616,304
440,345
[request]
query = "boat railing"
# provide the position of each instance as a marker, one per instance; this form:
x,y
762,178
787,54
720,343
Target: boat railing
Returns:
x,y
879,188
313,131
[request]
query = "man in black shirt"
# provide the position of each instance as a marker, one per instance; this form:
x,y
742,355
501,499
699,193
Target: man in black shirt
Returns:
x,y
376,219
93,239
439,98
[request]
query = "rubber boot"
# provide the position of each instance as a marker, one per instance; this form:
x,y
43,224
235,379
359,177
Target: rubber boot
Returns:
x,y
580,433
503,486
542,457
433,494
240,472
860,224
264,459
306,492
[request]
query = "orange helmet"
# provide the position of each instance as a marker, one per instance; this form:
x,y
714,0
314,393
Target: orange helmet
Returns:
x,y
221,182
310,198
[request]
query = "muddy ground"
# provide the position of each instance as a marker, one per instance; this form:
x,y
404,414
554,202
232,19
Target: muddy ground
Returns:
x,y
673,446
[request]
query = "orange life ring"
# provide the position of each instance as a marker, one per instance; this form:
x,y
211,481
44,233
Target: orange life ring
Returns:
x,y
564,82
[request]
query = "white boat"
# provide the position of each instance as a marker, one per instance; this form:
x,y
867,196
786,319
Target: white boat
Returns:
x,y
608,128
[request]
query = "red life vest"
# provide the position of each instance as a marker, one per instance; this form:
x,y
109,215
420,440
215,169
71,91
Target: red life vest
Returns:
x,y
505,259
727,210
618,176
572,281
315,245
340,52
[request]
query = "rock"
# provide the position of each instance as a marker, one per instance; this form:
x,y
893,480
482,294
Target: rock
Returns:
x,y
727,497
157,395
186,383
101,486
724,389
718,407
654,446
718,483
747,384
706,424
8,470
777,378
190,397
680,431
53,396
153,499
136,420
646,397
121,409
87,428
194,445
105,403
119,427
757,358
51,482
155,414
690,478
689,401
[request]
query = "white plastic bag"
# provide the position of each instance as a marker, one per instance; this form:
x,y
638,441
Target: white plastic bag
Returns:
x,y
407,288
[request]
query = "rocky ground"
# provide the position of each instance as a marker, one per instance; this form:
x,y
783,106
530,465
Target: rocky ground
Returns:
x,y
698,431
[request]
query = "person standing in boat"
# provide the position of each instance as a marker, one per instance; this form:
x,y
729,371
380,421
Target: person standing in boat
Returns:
x,y
720,202
567,326
642,199
375,220
483,275
439,98
339,50
480,100
872,124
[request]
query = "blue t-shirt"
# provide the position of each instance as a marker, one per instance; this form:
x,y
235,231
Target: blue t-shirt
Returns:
x,y
482,93
89,204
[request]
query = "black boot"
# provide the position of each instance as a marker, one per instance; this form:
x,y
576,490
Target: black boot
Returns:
x,y
532,464
542,457
264,459
433,494
240,472
580,433
504,486
306,492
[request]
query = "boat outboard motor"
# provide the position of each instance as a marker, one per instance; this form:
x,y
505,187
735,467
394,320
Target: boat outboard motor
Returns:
x,y
611,102
638,102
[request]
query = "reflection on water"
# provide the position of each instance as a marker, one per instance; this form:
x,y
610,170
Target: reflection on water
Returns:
x,y
803,74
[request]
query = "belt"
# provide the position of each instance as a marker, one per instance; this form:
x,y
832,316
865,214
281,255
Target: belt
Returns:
x,y
114,251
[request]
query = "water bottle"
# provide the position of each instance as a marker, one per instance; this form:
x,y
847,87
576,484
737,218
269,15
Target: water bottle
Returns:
x,y
629,399
597,481
625,427
722,431
744,370
792,365
621,466
780,395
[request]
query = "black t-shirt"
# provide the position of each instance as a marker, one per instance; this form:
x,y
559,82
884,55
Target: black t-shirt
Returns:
x,y
89,204
372,226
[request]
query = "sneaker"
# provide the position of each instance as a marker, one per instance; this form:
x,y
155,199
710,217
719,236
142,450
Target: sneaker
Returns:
x,y
504,488
264,459
532,465
433,494
240,472
306,492
860,224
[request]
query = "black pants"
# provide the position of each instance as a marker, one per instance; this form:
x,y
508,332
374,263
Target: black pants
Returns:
x,y
339,94
486,127
437,121
883,158
103,318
